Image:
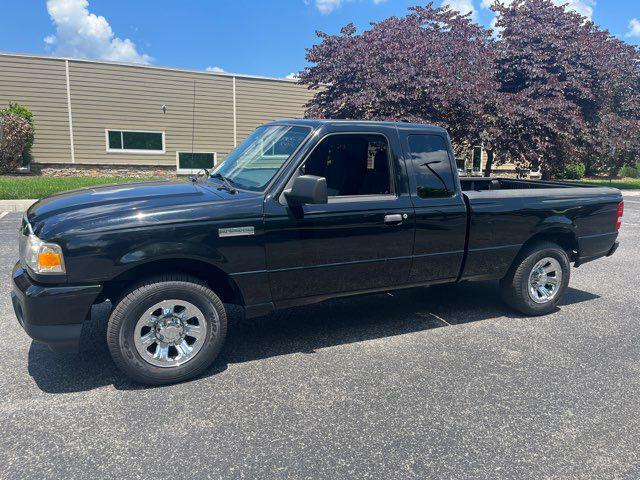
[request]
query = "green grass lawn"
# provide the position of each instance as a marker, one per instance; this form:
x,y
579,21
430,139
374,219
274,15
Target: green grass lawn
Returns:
x,y
12,188
622,183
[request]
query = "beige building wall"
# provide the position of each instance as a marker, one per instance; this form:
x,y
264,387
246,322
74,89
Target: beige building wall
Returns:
x,y
40,84
129,97
259,101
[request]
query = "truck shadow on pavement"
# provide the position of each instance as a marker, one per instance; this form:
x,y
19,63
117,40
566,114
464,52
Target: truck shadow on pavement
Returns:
x,y
298,330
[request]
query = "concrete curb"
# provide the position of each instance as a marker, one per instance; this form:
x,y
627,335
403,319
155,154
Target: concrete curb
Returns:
x,y
15,205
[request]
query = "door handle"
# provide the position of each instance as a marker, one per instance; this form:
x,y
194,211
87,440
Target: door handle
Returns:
x,y
394,218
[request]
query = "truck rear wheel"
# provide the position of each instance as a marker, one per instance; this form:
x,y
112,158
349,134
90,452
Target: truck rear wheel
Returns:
x,y
537,280
167,329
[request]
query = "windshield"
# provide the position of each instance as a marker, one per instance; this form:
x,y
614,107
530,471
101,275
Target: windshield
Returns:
x,y
255,161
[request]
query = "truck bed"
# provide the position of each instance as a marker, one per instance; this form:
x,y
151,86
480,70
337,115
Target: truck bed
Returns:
x,y
495,183
506,213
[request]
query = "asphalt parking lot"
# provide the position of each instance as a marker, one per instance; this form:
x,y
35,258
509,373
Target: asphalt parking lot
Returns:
x,y
427,383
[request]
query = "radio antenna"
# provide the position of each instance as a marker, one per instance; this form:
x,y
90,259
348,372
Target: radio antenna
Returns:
x,y
193,120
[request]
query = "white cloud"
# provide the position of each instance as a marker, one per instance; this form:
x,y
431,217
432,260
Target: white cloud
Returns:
x,y
82,34
489,3
462,6
292,76
583,7
634,28
215,69
325,7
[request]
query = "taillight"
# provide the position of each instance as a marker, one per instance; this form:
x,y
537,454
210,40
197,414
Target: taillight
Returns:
x,y
619,215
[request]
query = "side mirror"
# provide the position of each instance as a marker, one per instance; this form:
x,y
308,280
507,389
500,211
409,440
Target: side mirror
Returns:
x,y
307,189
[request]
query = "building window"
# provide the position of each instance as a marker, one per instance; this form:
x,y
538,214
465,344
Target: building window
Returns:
x,y
134,141
477,159
192,163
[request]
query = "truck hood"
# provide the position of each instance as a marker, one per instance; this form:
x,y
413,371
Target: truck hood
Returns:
x,y
131,205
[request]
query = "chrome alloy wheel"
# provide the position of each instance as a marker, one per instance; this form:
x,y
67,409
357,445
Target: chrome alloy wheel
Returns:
x,y
170,333
545,280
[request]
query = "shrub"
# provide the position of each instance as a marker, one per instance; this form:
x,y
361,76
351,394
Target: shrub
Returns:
x,y
16,132
18,110
629,172
572,171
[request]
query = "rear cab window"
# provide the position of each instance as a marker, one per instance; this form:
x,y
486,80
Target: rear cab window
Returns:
x,y
431,166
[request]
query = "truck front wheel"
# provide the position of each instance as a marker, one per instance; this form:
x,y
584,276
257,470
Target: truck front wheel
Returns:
x,y
167,329
537,280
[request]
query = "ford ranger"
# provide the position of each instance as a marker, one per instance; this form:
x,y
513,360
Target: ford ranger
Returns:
x,y
300,212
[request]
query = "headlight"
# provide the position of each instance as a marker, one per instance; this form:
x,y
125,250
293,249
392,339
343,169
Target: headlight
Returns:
x,y
43,257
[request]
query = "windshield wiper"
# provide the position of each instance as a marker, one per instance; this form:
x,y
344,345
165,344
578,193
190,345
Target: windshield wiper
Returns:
x,y
227,184
194,178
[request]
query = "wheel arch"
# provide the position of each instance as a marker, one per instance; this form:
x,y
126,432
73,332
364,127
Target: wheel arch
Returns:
x,y
216,278
562,235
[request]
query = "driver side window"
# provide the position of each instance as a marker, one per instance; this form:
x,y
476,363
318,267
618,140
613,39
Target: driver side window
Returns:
x,y
353,164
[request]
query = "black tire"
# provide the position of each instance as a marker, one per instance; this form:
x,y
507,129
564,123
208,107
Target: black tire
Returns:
x,y
514,287
133,304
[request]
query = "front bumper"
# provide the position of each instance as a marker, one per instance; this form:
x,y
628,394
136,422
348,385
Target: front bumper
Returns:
x,y
52,315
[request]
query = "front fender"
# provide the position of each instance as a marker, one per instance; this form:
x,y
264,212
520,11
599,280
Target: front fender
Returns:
x,y
102,256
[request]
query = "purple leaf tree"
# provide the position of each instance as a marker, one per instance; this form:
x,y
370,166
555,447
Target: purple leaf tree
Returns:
x,y
572,88
433,65
550,89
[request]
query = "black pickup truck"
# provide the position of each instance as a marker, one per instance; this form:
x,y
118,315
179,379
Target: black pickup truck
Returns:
x,y
300,212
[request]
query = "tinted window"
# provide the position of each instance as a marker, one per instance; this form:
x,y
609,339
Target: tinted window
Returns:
x,y
353,164
477,159
144,141
195,161
432,169
115,140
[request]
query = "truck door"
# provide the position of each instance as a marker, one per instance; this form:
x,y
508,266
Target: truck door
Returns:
x,y
440,211
362,238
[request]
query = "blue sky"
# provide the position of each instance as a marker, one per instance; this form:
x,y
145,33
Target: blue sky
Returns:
x,y
242,36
